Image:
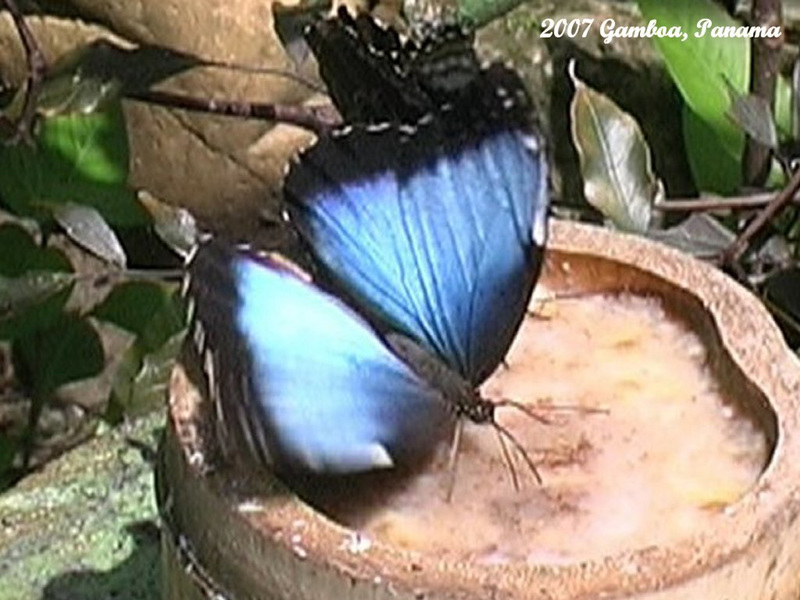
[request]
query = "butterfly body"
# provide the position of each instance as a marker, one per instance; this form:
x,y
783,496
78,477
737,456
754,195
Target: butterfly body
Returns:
x,y
456,391
461,396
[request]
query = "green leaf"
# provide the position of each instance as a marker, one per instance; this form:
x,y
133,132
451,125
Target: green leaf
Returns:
x,y
155,315
146,309
715,166
96,145
752,113
73,86
90,77
78,158
21,254
703,68
21,258
67,351
87,228
618,177
783,107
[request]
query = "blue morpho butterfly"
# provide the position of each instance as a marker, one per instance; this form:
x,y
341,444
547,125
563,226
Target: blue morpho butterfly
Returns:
x,y
440,257
434,232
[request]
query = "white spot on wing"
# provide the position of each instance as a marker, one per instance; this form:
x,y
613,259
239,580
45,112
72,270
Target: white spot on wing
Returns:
x,y
191,254
208,366
185,283
532,143
379,457
379,127
191,306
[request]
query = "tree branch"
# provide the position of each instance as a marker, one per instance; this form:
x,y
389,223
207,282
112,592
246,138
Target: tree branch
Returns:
x,y
737,249
718,203
763,75
36,72
320,119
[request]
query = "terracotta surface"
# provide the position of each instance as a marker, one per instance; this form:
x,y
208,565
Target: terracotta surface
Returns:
x,y
253,538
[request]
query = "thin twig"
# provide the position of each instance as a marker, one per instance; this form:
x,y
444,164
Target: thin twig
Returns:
x,y
737,249
36,71
320,119
717,203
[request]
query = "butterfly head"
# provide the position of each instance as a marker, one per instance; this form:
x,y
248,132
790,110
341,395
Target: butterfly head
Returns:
x,y
478,410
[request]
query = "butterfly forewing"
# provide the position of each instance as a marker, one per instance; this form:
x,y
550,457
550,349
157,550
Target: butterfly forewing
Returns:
x,y
428,238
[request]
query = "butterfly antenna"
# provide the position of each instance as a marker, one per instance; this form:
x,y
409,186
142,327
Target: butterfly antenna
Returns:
x,y
452,462
507,459
520,449
533,414
525,409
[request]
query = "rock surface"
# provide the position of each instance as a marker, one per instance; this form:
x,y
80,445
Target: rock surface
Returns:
x,y
86,527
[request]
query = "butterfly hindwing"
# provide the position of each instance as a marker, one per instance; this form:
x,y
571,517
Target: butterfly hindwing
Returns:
x,y
300,376
436,239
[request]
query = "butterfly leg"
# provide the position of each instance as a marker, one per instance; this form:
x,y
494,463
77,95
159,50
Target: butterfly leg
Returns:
x,y
452,462
520,449
507,459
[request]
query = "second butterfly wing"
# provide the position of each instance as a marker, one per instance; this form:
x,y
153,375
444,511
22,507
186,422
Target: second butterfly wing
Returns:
x,y
436,238
297,376
374,77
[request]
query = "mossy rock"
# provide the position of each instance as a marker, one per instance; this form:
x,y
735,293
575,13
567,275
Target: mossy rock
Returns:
x,y
85,527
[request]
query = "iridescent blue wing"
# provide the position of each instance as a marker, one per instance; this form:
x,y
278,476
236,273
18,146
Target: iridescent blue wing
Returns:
x,y
298,376
433,232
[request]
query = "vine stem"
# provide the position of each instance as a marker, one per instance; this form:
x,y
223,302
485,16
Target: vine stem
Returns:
x,y
736,250
763,77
